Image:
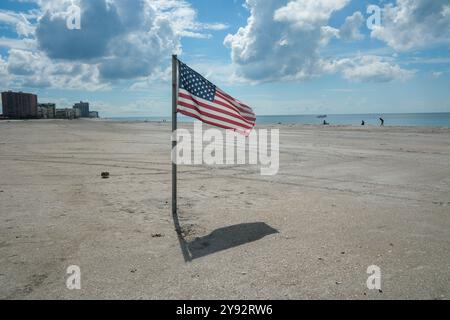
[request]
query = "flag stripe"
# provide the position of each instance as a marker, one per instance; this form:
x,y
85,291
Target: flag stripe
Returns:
x,y
227,104
194,115
247,116
240,130
236,103
215,106
223,124
183,94
212,115
233,104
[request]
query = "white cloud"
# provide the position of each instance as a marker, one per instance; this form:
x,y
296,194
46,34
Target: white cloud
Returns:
x,y
19,21
437,74
219,73
124,39
24,44
282,40
35,69
3,70
137,108
350,30
118,40
183,18
414,24
368,69
308,14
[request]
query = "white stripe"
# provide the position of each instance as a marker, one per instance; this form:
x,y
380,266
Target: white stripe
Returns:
x,y
212,120
209,103
234,104
240,112
246,111
249,110
216,113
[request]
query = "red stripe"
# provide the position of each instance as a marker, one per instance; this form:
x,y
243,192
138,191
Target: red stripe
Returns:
x,y
227,96
193,115
243,104
227,105
247,118
186,105
230,100
206,114
207,106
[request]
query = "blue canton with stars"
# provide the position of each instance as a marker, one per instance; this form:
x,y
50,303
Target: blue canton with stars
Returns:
x,y
195,83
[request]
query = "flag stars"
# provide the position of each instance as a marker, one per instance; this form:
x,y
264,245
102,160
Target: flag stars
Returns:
x,y
196,84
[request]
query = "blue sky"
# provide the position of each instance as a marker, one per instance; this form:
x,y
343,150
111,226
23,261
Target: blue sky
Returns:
x,y
279,56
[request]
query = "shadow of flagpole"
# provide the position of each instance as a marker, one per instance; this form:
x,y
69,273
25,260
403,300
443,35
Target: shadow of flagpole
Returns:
x,y
183,244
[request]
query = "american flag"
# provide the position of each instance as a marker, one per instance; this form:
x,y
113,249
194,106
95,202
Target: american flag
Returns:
x,y
200,99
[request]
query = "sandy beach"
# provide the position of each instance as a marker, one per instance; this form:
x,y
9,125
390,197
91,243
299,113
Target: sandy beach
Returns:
x,y
345,198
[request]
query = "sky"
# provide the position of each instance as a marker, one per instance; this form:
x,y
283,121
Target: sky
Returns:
x,y
279,56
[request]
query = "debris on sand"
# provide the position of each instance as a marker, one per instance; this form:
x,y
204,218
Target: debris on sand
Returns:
x,y
157,235
105,175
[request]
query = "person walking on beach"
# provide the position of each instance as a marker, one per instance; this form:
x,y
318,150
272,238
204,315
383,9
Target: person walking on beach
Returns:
x,y
382,122
363,123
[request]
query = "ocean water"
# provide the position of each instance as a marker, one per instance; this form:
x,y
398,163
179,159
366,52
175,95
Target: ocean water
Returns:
x,y
393,119
390,119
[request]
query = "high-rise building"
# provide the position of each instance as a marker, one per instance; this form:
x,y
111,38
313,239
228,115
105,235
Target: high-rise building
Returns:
x,y
83,107
19,105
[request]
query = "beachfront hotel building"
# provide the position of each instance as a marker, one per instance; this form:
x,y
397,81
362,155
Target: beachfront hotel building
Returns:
x,y
93,114
19,105
67,113
83,107
46,110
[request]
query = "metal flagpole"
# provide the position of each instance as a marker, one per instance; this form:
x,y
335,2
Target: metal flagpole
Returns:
x,y
174,141
176,221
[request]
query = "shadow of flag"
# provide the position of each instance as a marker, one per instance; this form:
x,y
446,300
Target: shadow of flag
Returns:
x,y
223,239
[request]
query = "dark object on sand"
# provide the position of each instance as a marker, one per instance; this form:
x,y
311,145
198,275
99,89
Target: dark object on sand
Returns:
x,y
105,175
325,123
363,123
382,122
157,235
